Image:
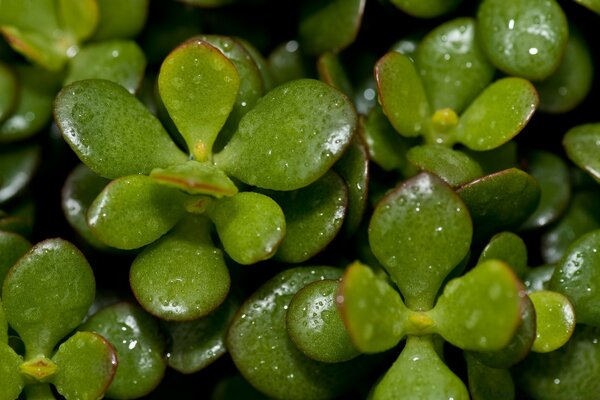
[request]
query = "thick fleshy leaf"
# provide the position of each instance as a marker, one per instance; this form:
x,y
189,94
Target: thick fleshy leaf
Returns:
x,y
420,232
500,201
487,383
86,366
538,278
18,164
313,217
286,63
570,372
331,71
42,320
295,119
120,21
8,90
119,61
261,63
134,211
139,346
402,94
426,8
582,144
507,247
329,25
315,325
552,173
372,310
196,344
12,247
555,320
3,326
11,380
236,387
273,364
593,5
523,38
581,217
79,191
182,276
111,131
198,85
78,18
497,159
453,68
572,81
250,225
453,166
480,310
499,113
419,373
578,277
195,177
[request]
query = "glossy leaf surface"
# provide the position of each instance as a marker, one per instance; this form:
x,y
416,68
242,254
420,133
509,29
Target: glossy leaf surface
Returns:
x,y
198,85
452,66
134,211
593,5
480,310
119,61
8,90
12,247
420,232
250,225
487,383
331,71
372,310
182,276
286,62
402,94
111,131
329,25
582,144
11,380
453,166
294,119
123,21
139,347
539,278
78,18
315,325
41,321
18,164
498,114
523,38
313,216
426,8
507,247
86,366
555,320
578,277
419,373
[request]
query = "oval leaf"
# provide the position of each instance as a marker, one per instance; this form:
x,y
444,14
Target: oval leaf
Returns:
x,y
507,247
12,247
426,8
487,383
555,320
8,91
11,380
18,164
582,144
453,166
121,21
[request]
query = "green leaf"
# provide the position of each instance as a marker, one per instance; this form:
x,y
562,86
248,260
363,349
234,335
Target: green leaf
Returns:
x,y
120,61
315,325
86,366
426,8
593,5
453,166
507,247
286,63
373,311
487,383
313,216
195,177
260,61
555,320
182,276
420,231
139,346
578,277
480,310
250,225
11,380
552,173
12,247
582,144
198,343
121,21
419,373
294,119
285,372
500,201
236,387
198,85
568,86
525,39
8,91
3,326
499,113
453,68
134,211
538,278
111,131
331,71
402,94
329,25
78,18
18,164
42,320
